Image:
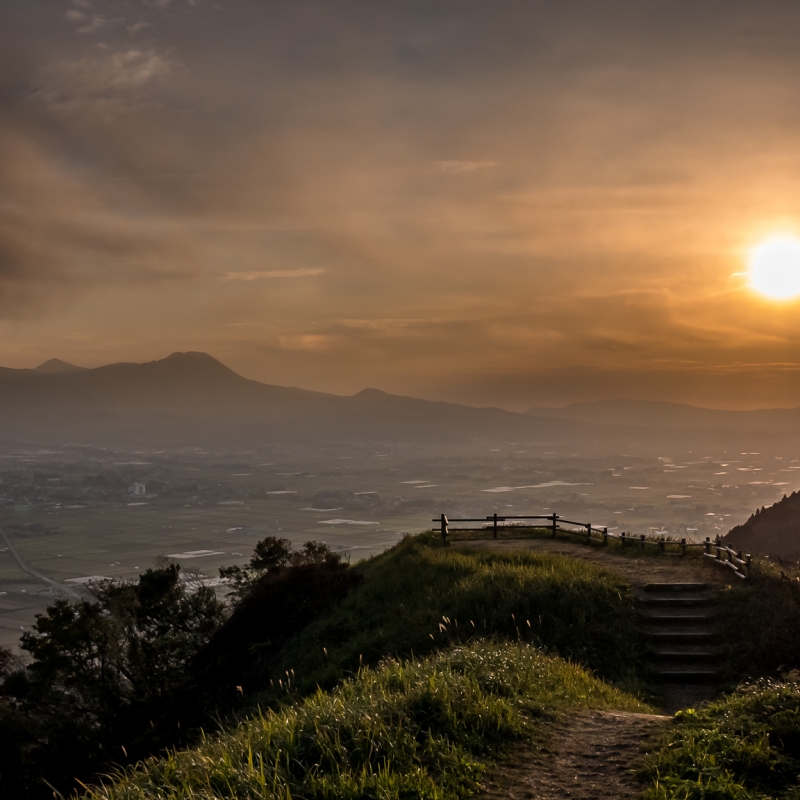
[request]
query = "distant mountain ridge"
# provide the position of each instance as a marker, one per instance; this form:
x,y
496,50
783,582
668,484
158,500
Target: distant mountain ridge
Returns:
x,y
55,366
192,398
648,413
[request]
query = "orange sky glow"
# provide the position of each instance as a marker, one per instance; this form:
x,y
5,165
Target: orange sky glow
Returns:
x,y
501,203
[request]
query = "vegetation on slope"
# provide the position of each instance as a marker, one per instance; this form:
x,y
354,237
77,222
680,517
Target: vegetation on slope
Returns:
x,y
420,596
302,620
414,729
745,746
759,624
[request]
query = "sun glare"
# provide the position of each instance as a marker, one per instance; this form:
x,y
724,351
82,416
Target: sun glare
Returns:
x,y
775,268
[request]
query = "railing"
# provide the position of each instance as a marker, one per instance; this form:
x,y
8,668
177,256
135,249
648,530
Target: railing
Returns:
x,y
723,555
735,559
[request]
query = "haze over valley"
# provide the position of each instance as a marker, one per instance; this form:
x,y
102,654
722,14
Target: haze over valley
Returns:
x,y
185,459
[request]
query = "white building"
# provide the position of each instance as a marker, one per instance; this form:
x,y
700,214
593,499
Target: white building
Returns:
x,y
138,489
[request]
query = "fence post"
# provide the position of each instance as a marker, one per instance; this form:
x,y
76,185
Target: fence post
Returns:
x,y
719,547
494,526
747,566
661,544
641,539
555,518
445,530
683,546
708,544
605,535
622,537
588,533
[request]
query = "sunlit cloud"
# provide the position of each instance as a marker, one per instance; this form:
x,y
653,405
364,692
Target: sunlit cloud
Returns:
x,y
463,166
498,203
256,275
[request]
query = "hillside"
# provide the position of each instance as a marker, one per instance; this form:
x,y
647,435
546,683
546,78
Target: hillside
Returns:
x,y
773,531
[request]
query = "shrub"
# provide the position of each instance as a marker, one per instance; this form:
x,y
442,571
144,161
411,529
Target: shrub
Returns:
x,y
745,746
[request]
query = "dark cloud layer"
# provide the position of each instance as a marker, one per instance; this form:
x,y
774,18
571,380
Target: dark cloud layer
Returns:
x,y
505,203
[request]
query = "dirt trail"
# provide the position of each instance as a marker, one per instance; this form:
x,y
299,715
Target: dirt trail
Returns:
x,y
589,756
637,569
592,755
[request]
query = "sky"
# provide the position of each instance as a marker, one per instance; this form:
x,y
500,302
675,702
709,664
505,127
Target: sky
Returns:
x,y
492,202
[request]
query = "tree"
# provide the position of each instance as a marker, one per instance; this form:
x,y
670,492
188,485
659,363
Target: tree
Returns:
x,y
101,669
271,555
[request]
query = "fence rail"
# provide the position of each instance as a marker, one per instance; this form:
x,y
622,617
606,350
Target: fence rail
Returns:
x,y
722,554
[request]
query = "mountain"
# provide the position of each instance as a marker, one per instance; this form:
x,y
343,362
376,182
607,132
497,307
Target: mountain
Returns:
x,y
773,531
191,398
55,366
660,414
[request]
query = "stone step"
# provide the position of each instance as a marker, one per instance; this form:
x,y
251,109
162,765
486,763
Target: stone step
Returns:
x,y
686,636
674,617
675,587
675,601
686,673
685,654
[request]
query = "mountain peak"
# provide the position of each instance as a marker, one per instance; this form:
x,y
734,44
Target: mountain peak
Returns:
x,y
55,366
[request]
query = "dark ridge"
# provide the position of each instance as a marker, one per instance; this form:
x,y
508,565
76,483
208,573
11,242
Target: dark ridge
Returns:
x,y
773,531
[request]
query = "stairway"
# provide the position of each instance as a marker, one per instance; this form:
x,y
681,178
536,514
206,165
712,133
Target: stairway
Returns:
x,y
680,620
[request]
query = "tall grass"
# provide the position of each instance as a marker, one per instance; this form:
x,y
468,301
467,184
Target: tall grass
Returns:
x,y
745,746
760,624
420,596
405,730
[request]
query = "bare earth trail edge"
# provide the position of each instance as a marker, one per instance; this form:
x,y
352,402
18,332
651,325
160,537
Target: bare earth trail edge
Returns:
x,y
592,755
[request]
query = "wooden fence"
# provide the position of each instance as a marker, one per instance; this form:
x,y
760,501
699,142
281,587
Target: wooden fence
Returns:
x,y
723,555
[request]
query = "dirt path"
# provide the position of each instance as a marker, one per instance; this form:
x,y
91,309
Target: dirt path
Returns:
x,y
637,569
592,755
589,756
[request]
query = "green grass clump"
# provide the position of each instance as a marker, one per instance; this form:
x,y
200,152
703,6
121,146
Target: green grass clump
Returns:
x,y
760,624
405,730
745,746
420,596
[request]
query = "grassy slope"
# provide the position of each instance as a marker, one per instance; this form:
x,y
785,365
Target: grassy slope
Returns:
x,y
420,596
760,624
745,746
414,729
463,623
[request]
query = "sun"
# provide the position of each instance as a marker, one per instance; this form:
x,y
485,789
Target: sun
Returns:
x,y
775,268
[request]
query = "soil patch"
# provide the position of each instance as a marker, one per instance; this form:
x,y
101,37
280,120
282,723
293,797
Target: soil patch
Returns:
x,y
591,755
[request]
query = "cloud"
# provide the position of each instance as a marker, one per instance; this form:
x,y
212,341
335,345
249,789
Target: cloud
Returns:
x,y
274,273
463,166
138,26
110,81
75,15
98,21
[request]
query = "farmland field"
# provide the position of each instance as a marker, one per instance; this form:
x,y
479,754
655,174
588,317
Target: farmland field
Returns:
x,y
69,514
